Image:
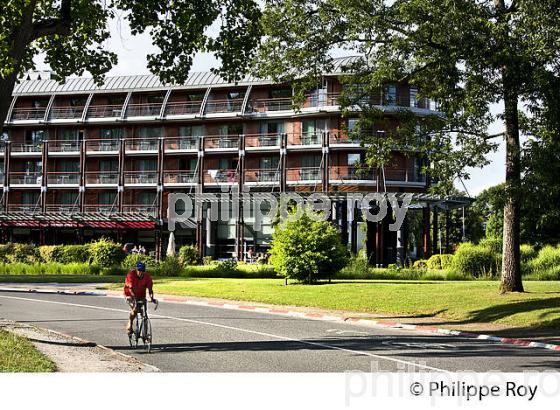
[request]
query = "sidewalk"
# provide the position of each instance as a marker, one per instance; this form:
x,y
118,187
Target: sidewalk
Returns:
x,y
539,338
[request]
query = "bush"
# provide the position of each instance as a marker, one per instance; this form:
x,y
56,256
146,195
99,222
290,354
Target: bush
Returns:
x,y
23,253
440,261
420,264
49,268
528,252
476,261
493,244
228,267
105,253
48,253
188,255
132,259
170,266
5,250
307,250
207,260
72,254
358,268
547,258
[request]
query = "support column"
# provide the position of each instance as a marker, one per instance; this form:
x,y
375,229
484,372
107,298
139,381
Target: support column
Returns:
x,y
44,161
283,169
199,205
240,223
426,232
6,189
447,230
435,234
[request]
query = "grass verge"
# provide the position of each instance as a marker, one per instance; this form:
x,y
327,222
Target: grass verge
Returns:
x,y
17,354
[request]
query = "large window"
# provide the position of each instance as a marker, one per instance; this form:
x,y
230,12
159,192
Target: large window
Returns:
x,y
111,133
146,198
190,131
68,165
106,198
70,134
150,132
146,165
36,136
390,94
29,198
66,198
108,165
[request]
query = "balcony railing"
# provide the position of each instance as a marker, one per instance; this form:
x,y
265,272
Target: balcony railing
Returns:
x,y
351,173
24,114
27,147
141,209
141,144
141,177
262,175
262,140
181,143
24,208
104,111
306,138
64,146
63,113
183,108
105,209
303,174
63,208
224,106
143,110
26,178
321,99
271,104
220,176
63,178
338,137
224,142
102,178
102,145
179,177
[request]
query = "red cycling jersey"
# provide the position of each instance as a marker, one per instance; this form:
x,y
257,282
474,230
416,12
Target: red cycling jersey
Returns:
x,y
138,284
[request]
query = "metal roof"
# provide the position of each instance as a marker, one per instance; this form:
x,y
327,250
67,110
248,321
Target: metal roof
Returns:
x,y
84,85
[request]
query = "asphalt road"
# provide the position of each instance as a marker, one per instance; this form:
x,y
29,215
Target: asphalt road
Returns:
x,y
190,338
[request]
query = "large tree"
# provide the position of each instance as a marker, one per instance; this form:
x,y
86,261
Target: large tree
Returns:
x,y
465,54
72,36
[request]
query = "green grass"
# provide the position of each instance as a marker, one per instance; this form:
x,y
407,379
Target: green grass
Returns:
x,y
18,355
467,301
60,279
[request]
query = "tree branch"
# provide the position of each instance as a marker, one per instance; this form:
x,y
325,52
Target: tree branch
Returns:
x,y
51,26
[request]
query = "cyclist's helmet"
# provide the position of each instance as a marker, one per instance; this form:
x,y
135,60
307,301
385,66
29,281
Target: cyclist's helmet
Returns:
x,y
140,266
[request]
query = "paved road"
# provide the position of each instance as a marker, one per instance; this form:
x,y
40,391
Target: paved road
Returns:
x,y
205,339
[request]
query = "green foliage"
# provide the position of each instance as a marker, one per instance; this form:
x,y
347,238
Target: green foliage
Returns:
x,y
74,254
440,261
106,253
420,264
228,267
493,244
547,258
207,260
5,250
132,259
476,261
188,255
23,253
48,253
528,252
170,266
307,250
49,268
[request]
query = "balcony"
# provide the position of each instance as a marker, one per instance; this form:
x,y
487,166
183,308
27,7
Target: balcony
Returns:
x,y
25,208
141,145
104,111
179,178
105,209
264,141
221,176
351,173
141,178
143,110
321,99
63,208
230,143
181,144
183,108
64,146
102,178
306,139
262,176
149,210
26,148
63,178
271,104
31,179
28,114
341,138
66,113
224,106
308,174
102,146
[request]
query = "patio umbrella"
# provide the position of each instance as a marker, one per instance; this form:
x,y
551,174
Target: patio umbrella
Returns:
x,y
171,245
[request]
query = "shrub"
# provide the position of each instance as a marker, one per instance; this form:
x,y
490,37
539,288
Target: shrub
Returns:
x,y
48,253
5,250
170,266
23,253
188,255
228,267
49,268
207,260
547,258
132,259
528,252
72,254
439,261
475,260
105,253
358,268
307,250
420,264
493,244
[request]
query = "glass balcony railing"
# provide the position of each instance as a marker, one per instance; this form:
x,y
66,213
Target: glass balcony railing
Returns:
x,y
262,175
142,209
143,110
224,106
64,146
141,144
102,145
262,140
179,177
105,111
141,177
63,178
304,174
26,178
27,147
68,112
181,143
25,114
183,108
102,178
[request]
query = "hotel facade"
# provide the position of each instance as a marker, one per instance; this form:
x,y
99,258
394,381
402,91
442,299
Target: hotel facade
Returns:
x,y
80,161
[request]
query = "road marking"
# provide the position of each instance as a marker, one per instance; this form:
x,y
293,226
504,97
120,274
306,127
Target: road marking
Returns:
x,y
391,359
416,345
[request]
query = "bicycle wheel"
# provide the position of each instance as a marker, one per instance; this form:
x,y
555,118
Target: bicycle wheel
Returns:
x,y
147,335
133,337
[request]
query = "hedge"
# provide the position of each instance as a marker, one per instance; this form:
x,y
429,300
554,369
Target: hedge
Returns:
x,y
188,255
440,261
476,260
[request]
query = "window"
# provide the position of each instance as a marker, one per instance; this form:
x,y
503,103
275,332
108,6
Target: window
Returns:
x,y
272,127
311,161
190,131
353,159
111,133
269,162
78,102
32,167
390,94
187,164
195,97
146,198
228,163
36,136
352,124
150,132
66,165
234,95
66,198
106,198
40,103
154,99
30,198
413,97
116,99
146,165
108,165
230,130
281,93
69,134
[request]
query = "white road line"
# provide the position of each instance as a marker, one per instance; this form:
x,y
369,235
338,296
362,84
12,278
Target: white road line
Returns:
x,y
391,359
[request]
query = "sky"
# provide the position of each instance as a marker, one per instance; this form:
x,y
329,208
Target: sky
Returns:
x,y
132,51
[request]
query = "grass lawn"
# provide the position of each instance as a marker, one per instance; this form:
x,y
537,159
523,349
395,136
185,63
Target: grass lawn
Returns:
x,y
18,355
468,301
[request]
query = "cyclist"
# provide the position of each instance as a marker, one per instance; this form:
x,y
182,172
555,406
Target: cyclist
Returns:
x,y
135,285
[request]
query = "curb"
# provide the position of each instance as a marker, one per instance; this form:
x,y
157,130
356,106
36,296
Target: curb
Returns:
x,y
303,315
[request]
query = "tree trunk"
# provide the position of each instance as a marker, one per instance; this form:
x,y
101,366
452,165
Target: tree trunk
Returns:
x,y
511,266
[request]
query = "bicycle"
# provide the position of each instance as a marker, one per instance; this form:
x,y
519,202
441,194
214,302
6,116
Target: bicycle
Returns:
x,y
142,329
